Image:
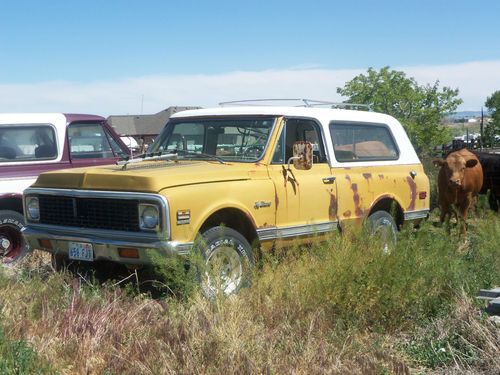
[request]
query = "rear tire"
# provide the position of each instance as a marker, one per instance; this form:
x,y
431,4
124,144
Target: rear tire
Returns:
x,y
381,224
13,248
228,261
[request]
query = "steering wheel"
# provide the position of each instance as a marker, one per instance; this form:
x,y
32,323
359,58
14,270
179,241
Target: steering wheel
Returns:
x,y
253,151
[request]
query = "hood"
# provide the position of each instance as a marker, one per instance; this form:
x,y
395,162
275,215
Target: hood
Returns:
x,y
151,177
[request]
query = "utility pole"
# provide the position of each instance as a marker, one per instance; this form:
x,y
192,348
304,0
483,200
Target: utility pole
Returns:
x,y
482,125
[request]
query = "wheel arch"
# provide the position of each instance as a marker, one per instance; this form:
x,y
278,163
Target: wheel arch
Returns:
x,y
12,202
391,205
234,218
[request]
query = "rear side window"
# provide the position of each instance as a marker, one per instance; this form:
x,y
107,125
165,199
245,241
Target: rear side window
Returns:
x,y
27,143
89,141
361,142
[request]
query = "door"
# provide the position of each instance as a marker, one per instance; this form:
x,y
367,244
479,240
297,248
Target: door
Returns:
x,y
306,202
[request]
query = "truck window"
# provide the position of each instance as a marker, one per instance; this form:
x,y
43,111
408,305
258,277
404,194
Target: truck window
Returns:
x,y
27,143
88,141
299,130
360,142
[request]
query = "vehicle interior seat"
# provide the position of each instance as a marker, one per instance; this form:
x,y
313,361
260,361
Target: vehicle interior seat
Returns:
x,y
45,151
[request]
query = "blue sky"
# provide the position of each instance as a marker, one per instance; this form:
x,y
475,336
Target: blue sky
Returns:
x,y
84,45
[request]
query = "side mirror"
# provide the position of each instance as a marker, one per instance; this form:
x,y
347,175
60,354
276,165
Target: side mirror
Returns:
x,y
302,155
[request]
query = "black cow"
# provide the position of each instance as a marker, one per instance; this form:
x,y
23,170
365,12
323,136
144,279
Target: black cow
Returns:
x,y
491,181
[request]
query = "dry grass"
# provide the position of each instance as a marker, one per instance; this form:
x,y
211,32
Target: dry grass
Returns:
x,y
331,309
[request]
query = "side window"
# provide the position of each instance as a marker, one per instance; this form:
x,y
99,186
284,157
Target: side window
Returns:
x,y
88,141
299,130
117,150
27,143
360,142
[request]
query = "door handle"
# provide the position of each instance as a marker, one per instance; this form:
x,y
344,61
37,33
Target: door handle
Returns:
x,y
329,180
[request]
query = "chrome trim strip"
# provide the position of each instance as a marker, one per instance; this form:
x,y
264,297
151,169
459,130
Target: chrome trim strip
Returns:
x,y
413,215
296,231
143,197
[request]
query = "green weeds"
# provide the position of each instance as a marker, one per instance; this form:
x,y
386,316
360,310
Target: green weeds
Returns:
x,y
342,306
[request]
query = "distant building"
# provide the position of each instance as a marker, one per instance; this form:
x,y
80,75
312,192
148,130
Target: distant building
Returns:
x,y
142,128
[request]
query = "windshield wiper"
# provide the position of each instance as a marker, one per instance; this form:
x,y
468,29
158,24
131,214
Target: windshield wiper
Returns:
x,y
147,157
192,153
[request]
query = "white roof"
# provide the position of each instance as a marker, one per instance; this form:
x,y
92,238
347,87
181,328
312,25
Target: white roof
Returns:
x,y
324,116
338,114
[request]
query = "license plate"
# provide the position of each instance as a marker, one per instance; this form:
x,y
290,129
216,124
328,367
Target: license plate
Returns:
x,y
81,251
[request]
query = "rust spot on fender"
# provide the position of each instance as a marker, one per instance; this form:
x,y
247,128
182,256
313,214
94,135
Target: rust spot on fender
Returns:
x,y
276,200
367,176
413,193
348,178
265,225
347,213
332,209
356,199
347,168
381,176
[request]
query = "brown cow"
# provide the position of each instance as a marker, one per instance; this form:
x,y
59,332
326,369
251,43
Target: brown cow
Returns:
x,y
459,181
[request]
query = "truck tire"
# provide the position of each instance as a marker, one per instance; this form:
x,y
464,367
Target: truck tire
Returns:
x,y
228,261
13,248
381,225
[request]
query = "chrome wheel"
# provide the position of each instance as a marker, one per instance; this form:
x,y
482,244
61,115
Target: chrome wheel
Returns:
x,y
228,261
224,270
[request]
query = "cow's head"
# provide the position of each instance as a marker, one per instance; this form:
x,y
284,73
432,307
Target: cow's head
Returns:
x,y
454,167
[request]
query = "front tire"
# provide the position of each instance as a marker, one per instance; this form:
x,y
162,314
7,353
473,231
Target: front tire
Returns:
x,y
13,248
381,225
227,259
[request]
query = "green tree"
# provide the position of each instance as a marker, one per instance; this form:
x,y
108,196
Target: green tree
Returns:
x,y
419,108
493,126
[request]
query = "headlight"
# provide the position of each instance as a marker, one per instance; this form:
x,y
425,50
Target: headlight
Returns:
x,y
33,208
148,217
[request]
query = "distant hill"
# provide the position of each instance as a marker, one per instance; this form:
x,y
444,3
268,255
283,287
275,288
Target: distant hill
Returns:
x,y
467,114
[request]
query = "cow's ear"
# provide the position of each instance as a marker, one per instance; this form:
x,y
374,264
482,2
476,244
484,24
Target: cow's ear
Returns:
x,y
439,162
471,163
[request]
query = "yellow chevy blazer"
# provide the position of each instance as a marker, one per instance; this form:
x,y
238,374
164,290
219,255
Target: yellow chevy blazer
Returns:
x,y
244,178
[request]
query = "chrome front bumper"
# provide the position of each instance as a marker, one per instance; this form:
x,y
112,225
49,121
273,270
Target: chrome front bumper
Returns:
x,y
105,243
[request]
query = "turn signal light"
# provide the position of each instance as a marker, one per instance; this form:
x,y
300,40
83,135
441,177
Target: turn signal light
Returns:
x,y
128,252
45,243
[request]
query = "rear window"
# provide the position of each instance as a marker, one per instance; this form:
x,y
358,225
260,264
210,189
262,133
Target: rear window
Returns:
x,y
361,142
27,143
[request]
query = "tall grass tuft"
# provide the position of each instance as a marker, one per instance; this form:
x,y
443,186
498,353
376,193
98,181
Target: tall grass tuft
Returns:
x,y
342,306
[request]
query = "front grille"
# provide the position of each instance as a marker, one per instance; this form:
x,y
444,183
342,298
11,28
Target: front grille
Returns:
x,y
98,213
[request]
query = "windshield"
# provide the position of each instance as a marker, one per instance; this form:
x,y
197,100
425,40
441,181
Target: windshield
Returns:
x,y
234,139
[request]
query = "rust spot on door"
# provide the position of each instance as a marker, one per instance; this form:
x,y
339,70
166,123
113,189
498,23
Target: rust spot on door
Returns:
x,y
332,209
367,176
347,213
381,176
357,200
413,193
